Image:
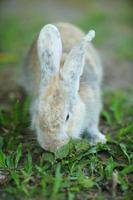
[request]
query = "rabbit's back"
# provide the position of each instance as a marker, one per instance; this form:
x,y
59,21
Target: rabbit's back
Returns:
x,y
70,35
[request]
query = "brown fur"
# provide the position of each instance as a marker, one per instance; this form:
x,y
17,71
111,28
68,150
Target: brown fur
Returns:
x,y
54,102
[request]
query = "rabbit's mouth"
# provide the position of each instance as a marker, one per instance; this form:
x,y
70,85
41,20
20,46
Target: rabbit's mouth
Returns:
x,y
54,144
51,142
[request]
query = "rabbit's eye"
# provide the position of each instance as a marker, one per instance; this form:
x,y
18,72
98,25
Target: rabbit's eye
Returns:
x,y
67,117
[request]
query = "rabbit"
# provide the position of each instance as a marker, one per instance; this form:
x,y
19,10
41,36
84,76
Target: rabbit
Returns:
x,y
62,74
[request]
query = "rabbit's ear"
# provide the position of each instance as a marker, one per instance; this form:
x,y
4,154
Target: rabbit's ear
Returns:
x,y
49,48
73,66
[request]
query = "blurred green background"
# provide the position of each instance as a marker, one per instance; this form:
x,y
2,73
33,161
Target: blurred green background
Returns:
x,y
20,20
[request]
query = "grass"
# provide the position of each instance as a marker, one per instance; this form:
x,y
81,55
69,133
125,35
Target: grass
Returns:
x,y
76,171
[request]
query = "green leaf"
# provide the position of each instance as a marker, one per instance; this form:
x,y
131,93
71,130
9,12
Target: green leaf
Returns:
x,y
28,163
83,180
10,161
107,116
18,155
86,182
62,152
125,130
57,180
110,167
82,145
2,159
48,157
124,149
15,177
127,170
1,142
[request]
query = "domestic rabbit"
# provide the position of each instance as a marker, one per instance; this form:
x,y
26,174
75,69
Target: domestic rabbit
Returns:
x,y
62,74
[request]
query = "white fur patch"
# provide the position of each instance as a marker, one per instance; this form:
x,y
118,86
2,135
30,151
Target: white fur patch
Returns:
x,y
49,49
97,138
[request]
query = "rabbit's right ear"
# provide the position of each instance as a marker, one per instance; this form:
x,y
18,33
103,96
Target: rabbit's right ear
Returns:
x,y
49,48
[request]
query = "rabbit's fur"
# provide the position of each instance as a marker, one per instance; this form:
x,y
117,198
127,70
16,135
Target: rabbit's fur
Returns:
x,y
62,74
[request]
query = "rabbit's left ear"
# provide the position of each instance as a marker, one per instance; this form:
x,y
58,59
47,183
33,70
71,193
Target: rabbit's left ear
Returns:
x,y
74,64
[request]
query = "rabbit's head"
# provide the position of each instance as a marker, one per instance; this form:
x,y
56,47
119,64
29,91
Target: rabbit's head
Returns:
x,y
53,112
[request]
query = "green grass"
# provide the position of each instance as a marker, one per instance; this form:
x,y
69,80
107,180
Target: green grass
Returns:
x,y
76,171
15,32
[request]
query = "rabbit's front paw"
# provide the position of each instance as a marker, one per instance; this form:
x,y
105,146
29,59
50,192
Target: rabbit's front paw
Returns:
x,y
97,138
